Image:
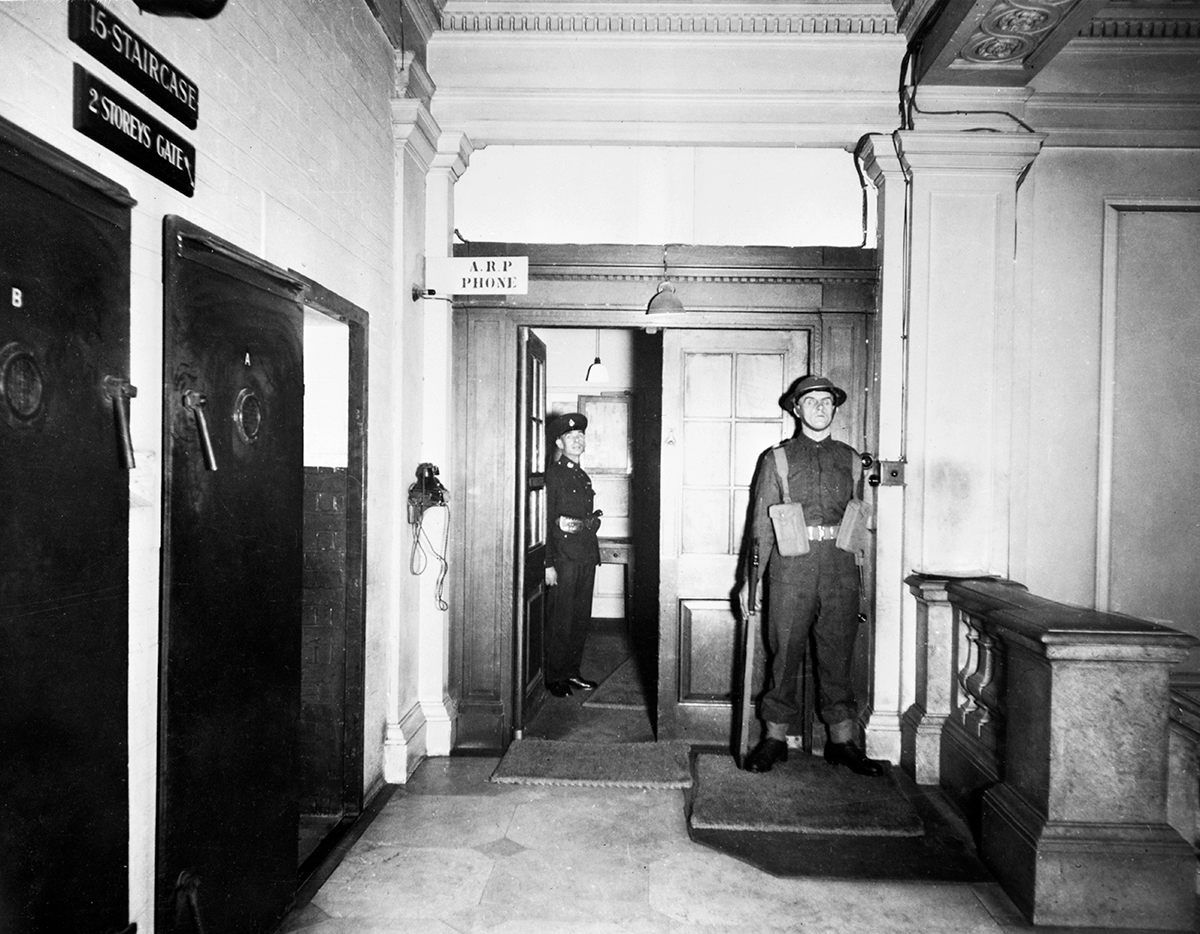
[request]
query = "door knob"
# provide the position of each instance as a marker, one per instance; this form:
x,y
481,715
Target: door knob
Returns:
x,y
195,401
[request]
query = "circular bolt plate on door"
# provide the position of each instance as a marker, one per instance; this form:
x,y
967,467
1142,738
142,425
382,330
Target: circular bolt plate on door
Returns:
x,y
21,385
248,415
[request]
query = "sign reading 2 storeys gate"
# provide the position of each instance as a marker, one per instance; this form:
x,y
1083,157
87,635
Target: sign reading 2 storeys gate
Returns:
x,y
114,121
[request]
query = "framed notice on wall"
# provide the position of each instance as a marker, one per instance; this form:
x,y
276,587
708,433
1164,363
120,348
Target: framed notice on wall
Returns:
x,y
607,432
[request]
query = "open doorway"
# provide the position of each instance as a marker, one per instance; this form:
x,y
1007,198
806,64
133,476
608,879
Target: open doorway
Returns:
x,y
612,376
824,296
329,730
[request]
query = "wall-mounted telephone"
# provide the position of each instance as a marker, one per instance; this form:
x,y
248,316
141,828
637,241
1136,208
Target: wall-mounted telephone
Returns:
x,y
427,491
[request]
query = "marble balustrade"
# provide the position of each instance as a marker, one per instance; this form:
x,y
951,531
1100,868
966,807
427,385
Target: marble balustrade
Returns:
x,y
1057,740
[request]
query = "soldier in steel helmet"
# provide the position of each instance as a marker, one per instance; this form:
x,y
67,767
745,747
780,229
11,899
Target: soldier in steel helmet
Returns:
x,y
812,583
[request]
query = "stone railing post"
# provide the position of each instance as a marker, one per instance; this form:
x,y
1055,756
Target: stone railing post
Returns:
x,y
1076,828
921,727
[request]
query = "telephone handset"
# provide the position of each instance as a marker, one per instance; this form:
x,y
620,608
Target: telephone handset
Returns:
x,y
426,492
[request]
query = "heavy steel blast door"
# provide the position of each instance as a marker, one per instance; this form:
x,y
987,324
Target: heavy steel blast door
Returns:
x,y
230,653
65,457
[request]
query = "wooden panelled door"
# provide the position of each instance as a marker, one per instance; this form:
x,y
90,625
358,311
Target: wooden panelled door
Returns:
x,y
720,411
531,528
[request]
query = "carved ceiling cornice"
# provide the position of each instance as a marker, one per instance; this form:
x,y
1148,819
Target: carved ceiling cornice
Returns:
x,y
678,18
1007,42
1168,19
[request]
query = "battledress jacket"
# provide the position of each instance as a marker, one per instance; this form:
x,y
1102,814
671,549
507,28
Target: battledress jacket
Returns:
x,y
820,476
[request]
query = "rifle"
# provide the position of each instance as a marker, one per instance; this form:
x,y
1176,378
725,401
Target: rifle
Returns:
x,y
747,686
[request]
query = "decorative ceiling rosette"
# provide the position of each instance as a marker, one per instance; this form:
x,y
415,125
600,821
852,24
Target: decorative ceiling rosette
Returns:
x,y
1012,29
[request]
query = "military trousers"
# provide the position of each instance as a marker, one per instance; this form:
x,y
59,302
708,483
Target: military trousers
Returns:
x,y
568,618
814,594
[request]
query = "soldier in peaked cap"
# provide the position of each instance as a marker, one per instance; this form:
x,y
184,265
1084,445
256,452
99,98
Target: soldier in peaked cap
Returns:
x,y
572,554
811,570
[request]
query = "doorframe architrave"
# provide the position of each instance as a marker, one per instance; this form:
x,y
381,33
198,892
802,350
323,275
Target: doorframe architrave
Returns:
x,y
357,321
811,285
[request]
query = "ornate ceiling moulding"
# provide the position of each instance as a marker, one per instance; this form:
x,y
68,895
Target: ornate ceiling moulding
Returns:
x,y
1171,19
669,18
1006,42
1001,43
1012,29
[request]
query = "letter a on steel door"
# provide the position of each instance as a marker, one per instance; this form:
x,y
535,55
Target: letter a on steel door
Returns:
x,y
230,638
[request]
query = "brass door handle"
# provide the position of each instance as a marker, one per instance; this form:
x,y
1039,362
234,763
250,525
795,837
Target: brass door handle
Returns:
x,y
194,400
119,391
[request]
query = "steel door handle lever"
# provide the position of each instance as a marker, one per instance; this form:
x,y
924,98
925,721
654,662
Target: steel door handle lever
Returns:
x,y
194,400
119,390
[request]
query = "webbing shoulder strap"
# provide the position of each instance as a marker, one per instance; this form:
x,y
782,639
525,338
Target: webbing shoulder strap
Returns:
x,y
781,468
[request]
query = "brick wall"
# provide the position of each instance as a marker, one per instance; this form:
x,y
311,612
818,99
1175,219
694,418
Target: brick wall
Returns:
x,y
294,163
322,691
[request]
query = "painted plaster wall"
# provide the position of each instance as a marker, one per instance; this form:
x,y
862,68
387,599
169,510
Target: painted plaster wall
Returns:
x,y
655,194
295,165
1061,245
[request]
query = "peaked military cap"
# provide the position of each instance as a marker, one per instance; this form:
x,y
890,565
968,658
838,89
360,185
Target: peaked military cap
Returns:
x,y
806,384
571,421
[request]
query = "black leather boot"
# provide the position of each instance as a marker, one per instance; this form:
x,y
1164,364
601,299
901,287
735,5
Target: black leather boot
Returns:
x,y
766,754
853,758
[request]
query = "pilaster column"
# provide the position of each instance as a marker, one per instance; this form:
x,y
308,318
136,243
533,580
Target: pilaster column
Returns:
x,y
959,323
397,418
894,616
446,167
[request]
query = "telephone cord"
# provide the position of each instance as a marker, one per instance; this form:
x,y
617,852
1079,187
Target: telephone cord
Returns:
x,y
419,561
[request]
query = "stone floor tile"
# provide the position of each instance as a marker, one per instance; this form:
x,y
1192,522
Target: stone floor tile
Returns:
x,y
700,888
453,775
652,822
389,883
436,820
488,921
572,888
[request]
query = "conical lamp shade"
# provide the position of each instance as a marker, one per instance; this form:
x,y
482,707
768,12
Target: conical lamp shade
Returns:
x,y
596,373
664,301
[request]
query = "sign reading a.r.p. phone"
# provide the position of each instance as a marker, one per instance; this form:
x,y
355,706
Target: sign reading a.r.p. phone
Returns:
x,y
477,275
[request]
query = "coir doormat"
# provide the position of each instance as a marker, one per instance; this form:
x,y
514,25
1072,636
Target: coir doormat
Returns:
x,y
617,765
804,795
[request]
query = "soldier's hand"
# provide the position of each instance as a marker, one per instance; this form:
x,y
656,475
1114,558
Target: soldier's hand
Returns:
x,y
744,605
551,577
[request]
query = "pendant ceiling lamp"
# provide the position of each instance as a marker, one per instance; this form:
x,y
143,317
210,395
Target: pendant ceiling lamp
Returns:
x,y
597,372
664,301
